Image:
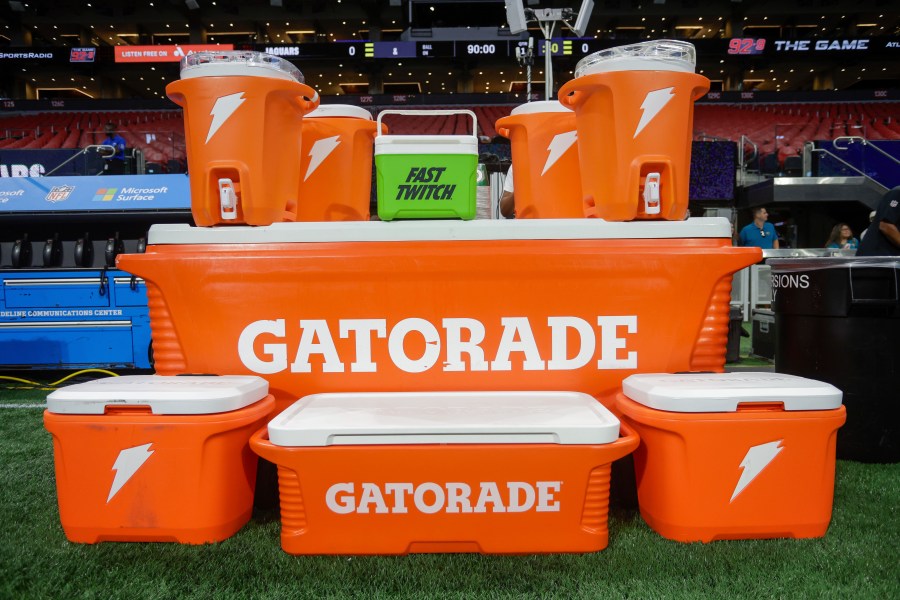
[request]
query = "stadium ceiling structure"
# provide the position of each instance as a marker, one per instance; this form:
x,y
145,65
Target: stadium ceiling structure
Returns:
x,y
474,51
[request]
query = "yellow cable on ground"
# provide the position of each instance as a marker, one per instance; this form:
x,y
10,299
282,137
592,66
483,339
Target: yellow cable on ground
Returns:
x,y
56,383
8,378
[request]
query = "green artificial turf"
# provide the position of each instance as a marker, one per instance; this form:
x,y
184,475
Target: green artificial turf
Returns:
x,y
746,359
858,558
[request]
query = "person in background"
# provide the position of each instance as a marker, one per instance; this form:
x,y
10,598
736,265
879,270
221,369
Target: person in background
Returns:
x,y
507,200
871,218
883,235
115,164
842,237
760,232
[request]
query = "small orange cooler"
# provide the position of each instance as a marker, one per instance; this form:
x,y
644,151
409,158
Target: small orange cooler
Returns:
x,y
545,157
492,472
336,167
147,458
733,455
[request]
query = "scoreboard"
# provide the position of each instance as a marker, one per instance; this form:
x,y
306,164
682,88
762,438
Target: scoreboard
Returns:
x,y
503,49
742,48
575,48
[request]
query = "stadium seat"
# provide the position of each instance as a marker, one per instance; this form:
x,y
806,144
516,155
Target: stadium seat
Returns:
x,y
793,166
769,164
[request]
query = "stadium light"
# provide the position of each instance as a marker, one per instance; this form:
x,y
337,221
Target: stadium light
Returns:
x,y
584,15
192,4
547,19
515,16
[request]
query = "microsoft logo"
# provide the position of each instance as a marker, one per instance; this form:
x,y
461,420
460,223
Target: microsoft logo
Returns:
x,y
105,194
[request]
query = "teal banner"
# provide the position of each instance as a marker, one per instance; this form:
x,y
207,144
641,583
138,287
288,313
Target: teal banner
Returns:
x,y
94,193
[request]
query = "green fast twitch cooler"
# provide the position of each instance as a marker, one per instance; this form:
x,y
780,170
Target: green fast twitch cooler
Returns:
x,y
426,176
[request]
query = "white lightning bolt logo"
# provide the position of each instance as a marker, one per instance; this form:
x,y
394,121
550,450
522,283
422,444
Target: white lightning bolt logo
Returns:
x,y
127,464
319,152
222,109
558,146
756,459
652,104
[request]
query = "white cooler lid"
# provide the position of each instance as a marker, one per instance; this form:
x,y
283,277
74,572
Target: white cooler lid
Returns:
x,y
425,144
185,395
339,110
722,392
440,230
444,418
540,106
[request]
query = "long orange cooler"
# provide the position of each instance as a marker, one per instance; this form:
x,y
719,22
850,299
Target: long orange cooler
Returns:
x,y
733,455
571,304
491,472
147,458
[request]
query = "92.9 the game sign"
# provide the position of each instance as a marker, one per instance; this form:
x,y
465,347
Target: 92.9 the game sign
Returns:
x,y
745,46
82,55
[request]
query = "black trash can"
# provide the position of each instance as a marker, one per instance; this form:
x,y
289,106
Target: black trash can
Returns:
x,y
764,333
735,329
838,320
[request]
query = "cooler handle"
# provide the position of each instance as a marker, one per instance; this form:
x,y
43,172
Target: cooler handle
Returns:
x,y
309,103
627,443
434,112
261,445
873,301
569,100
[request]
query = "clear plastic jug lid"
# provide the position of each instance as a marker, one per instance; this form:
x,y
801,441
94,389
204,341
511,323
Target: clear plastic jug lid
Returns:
x,y
655,55
230,62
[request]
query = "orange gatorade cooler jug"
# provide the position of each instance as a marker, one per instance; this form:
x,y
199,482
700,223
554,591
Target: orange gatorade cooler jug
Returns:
x,y
242,121
733,455
147,458
634,110
336,167
545,160
491,472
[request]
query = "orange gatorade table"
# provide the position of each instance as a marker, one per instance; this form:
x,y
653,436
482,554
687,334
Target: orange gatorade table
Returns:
x,y
493,472
571,304
146,458
733,455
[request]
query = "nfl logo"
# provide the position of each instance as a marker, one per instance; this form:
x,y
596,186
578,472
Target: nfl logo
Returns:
x,y
59,193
